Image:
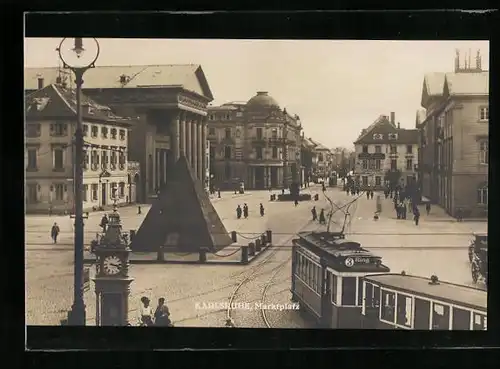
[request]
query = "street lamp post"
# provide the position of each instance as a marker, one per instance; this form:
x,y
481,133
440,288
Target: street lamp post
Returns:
x,y
78,60
285,148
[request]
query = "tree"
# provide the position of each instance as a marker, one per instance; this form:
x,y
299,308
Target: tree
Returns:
x,y
392,176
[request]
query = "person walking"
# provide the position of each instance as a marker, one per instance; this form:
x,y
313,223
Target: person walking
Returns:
x,y
238,212
416,216
371,194
104,223
145,313
162,314
261,210
322,219
314,213
428,208
245,211
54,232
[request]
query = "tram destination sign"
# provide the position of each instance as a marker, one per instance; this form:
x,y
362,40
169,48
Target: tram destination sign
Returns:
x,y
356,260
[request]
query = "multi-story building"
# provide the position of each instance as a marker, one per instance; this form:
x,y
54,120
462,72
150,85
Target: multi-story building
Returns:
x,y
454,139
309,157
254,142
50,127
324,159
385,152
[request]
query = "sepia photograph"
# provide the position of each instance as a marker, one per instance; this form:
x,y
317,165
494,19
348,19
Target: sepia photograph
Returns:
x,y
237,183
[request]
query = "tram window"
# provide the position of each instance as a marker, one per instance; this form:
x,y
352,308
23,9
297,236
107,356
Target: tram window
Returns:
x,y
372,295
320,279
349,291
334,288
360,291
304,266
440,316
461,319
479,322
422,314
404,310
312,276
388,307
301,267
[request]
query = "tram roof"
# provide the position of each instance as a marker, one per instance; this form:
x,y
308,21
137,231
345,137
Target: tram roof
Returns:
x,y
443,291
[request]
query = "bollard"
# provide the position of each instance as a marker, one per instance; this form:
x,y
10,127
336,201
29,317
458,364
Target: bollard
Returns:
x,y
233,236
257,245
203,255
270,197
269,237
251,249
132,234
244,254
160,255
263,240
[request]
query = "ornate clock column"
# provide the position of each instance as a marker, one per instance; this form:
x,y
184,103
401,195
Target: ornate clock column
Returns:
x,y
112,282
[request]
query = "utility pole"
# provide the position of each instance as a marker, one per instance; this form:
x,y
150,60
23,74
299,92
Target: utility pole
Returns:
x,y
285,148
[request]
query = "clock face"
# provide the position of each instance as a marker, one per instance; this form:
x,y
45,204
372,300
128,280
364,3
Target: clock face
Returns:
x,y
112,265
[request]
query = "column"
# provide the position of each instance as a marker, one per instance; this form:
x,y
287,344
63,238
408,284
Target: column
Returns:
x,y
182,133
175,146
187,127
201,155
204,150
194,147
165,166
157,169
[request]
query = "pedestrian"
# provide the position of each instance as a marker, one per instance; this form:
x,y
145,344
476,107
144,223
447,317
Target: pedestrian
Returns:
x,y
245,211
139,211
296,202
238,212
347,190
323,186
282,191
368,194
162,314
386,194
357,191
229,323
314,214
403,209
50,210
104,223
261,210
428,208
322,219
146,313
459,214
371,194
54,232
416,216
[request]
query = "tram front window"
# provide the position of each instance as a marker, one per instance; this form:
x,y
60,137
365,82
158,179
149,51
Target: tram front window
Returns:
x,y
388,308
372,296
440,317
349,291
461,319
404,310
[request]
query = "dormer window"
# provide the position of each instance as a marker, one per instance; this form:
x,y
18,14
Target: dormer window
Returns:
x,y
378,136
393,136
123,79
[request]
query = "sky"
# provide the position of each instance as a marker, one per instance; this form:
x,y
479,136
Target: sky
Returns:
x,y
336,87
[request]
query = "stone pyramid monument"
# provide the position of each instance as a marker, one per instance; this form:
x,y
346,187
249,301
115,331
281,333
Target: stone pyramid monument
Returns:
x,y
182,218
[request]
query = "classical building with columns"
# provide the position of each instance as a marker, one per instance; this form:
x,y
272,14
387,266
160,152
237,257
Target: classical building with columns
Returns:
x,y
168,103
254,142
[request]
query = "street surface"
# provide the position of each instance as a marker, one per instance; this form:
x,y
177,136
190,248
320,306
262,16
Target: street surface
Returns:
x,y
434,247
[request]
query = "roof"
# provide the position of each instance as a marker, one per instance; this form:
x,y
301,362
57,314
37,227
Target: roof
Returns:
x,y
262,100
469,84
444,291
56,101
434,83
420,116
319,146
188,76
383,126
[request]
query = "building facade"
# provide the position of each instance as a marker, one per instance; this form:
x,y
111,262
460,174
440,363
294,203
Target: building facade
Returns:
x,y
324,159
50,128
255,143
170,103
454,139
386,155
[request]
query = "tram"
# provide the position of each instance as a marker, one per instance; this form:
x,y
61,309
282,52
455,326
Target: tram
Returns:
x,y
400,301
327,277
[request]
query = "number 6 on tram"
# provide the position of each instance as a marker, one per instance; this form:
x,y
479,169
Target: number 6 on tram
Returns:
x,y
400,301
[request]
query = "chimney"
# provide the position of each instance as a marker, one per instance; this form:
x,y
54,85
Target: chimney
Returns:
x,y
40,83
478,61
399,125
393,118
457,61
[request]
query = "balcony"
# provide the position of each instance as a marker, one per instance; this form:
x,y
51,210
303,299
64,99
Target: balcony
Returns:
x,y
375,155
259,140
280,141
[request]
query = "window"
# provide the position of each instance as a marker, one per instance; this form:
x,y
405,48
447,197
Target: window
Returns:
x,y
275,152
33,130
393,136
104,132
378,136
409,164
32,193
85,130
365,164
122,134
409,149
484,113
378,149
378,164
59,188
274,133
349,291
372,164
440,317
364,180
461,319
227,152
104,159
122,189
85,192
259,151
32,160
480,322
227,171
388,308
320,157
482,195
94,191
58,129
94,131
404,310
365,149
228,116
113,190
228,133
483,152
378,181
393,149
360,292
113,133
372,296
334,288
58,159
211,131
211,117
239,114
394,164
259,133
